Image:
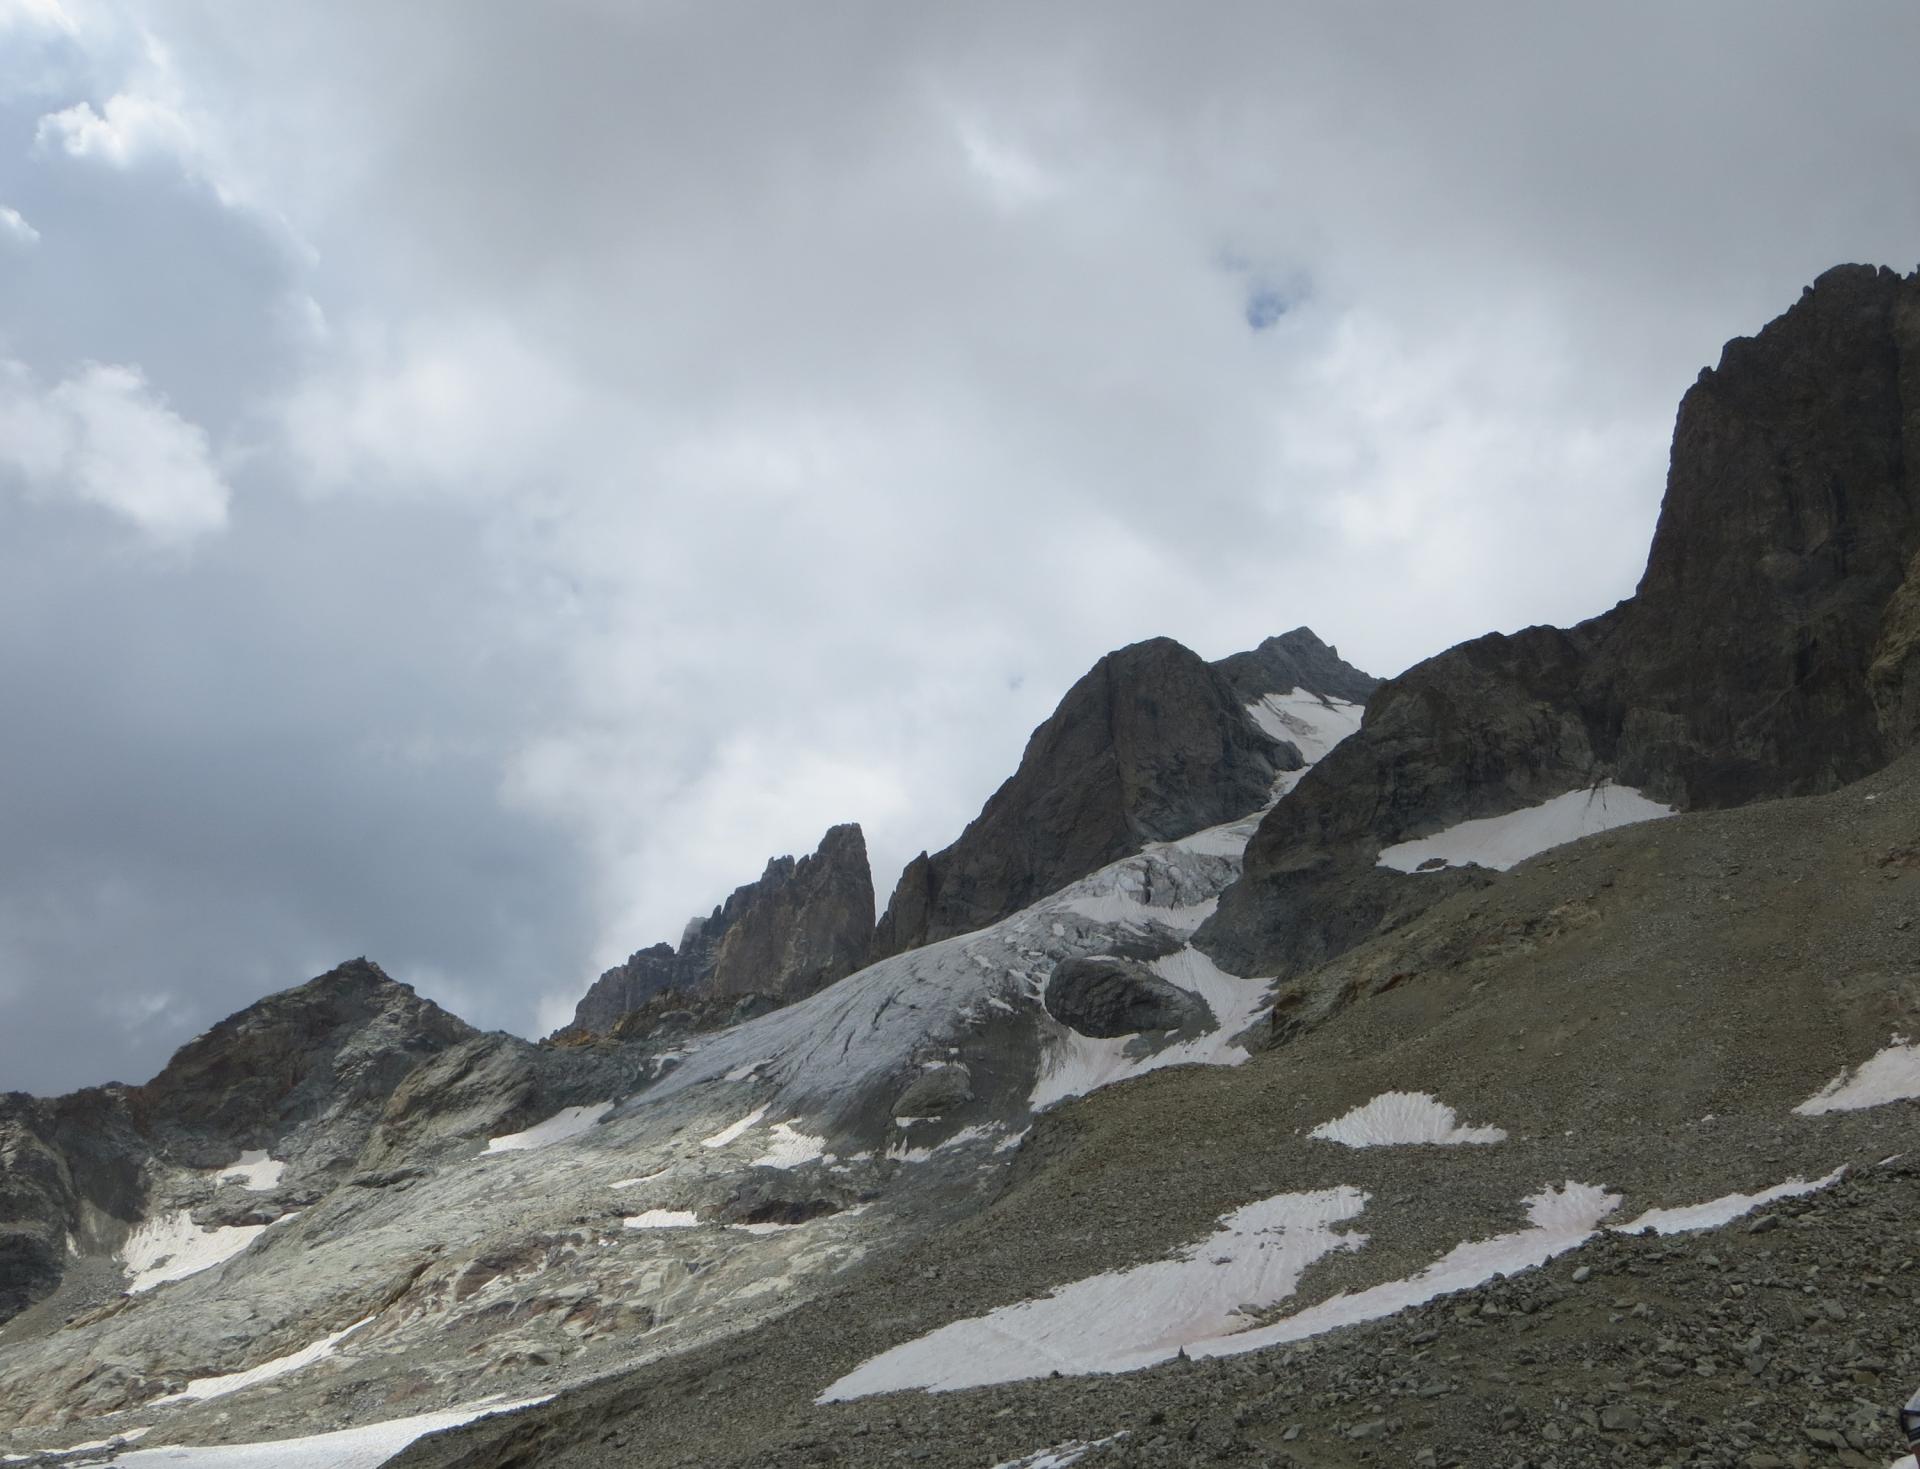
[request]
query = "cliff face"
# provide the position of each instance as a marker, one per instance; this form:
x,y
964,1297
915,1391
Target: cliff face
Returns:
x,y
1767,652
1152,744
804,924
1296,660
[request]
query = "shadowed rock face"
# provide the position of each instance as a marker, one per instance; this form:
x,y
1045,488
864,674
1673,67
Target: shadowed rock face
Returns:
x,y
803,925
1106,997
1769,650
1296,660
1152,744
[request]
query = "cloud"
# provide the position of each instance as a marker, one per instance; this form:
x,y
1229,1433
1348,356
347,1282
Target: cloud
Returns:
x,y
102,436
15,231
129,129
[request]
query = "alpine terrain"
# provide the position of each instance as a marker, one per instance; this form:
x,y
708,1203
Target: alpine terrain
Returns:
x,y
1515,1062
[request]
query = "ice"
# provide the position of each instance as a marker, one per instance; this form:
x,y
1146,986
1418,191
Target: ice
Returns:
x,y
1073,1064
790,1148
1124,1319
202,1388
1715,1212
1560,1219
365,1447
662,1219
1312,722
172,1247
1501,842
1403,1117
727,1134
254,1171
568,1122
1891,1075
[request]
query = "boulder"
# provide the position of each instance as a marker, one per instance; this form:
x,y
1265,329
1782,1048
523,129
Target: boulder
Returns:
x,y
1114,997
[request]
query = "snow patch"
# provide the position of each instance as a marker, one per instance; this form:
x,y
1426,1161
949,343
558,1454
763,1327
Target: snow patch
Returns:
x,y
1073,1064
1124,1319
662,1219
1394,1118
365,1447
255,1172
1061,1455
202,1388
1890,1075
1312,723
901,1153
1559,1218
727,1134
1724,1210
172,1247
790,1148
568,1122
1501,842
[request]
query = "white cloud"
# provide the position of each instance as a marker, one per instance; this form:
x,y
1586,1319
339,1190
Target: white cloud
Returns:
x,y
129,129
15,231
104,437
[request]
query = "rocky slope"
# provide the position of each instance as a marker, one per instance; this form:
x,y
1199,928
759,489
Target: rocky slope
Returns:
x,y
1767,651
1152,744
1296,660
803,925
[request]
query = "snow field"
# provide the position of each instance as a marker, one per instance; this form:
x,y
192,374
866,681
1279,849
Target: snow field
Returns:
x,y
1314,725
1890,1075
568,1122
1501,842
172,1247
1394,1118
790,1148
202,1388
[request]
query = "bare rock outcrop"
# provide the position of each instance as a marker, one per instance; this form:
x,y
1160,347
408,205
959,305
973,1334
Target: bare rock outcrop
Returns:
x,y
804,924
1296,660
1152,744
1769,650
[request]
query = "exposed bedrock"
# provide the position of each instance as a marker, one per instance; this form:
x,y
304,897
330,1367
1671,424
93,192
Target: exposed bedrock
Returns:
x,y
1108,997
1151,744
801,926
1296,660
1769,650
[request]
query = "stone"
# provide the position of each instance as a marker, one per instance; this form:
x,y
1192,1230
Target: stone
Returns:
x,y
1107,997
935,1090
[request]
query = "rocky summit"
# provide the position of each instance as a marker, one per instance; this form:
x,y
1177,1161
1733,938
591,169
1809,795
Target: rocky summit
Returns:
x,y
1509,1063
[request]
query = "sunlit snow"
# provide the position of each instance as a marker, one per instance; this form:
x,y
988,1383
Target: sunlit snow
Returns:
x,y
1060,1456
727,1134
1501,842
788,1147
365,1447
172,1247
662,1219
1891,1075
568,1122
1403,1117
1313,723
218,1387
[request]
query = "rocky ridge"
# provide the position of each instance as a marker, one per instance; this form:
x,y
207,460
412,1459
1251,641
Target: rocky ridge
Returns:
x,y
1766,653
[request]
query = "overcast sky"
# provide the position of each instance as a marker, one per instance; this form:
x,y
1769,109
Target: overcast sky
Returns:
x,y
476,479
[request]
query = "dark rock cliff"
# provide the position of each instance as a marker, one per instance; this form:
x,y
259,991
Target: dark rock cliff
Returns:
x,y
1152,744
804,924
1767,652
1296,660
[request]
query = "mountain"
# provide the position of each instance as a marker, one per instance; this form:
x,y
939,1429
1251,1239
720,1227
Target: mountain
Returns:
x,y
799,928
1151,745
1770,649
1517,1069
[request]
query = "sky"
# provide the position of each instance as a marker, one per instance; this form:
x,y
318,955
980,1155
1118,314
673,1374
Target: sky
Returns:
x,y
476,480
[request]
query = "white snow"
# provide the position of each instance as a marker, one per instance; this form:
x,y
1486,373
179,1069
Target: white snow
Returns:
x,y
130,1435
789,1148
202,1388
172,1247
1560,1219
1061,1455
662,1219
727,1134
1501,842
568,1122
901,1153
255,1172
1403,1117
643,1178
1124,1319
1890,1075
1197,1301
365,1447
1072,1064
1715,1212
1314,724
